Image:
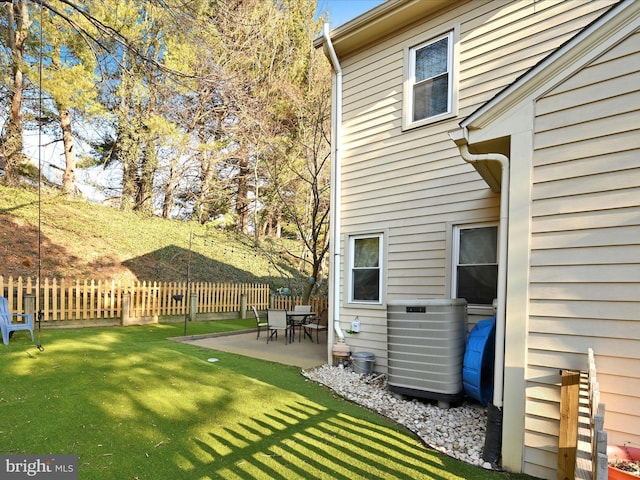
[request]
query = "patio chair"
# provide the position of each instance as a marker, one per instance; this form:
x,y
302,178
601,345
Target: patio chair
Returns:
x,y
259,322
299,321
8,327
319,323
278,321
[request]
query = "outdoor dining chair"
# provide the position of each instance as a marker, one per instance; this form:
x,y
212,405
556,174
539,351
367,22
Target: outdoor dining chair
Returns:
x,y
278,321
299,321
8,327
259,322
319,323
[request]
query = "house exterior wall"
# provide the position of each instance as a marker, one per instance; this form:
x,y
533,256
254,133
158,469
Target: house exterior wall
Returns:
x,y
585,248
574,214
410,184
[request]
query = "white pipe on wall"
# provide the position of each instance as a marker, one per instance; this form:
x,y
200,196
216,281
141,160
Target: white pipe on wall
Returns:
x,y
336,134
498,380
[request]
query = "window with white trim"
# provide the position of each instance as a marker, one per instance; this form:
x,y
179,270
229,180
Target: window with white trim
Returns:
x,y
475,263
431,79
365,268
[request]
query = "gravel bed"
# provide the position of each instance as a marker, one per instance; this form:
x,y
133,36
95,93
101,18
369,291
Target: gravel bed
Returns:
x,y
458,431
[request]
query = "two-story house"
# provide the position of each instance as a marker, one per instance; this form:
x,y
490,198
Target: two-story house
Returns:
x,y
490,149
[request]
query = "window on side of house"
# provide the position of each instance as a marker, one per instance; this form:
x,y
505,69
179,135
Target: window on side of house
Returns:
x,y
431,79
365,269
475,263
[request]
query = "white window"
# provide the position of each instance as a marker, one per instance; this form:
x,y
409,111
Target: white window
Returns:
x,y
430,79
475,263
365,268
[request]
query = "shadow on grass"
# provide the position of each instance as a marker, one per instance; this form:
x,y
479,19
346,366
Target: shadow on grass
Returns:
x,y
131,404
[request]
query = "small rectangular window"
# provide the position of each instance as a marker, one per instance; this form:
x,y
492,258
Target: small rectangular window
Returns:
x,y
476,264
431,78
365,268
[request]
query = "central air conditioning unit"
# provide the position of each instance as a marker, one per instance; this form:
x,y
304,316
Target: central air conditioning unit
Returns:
x,y
425,347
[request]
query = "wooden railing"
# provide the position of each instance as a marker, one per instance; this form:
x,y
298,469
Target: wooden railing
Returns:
x,y
582,452
69,301
599,460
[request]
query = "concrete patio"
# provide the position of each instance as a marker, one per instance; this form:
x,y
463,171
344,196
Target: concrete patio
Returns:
x,y
304,354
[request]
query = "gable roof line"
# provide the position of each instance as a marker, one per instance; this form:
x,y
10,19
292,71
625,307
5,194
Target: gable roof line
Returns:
x,y
389,16
613,25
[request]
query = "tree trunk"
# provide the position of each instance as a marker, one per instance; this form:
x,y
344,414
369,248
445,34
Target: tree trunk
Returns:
x,y
256,202
129,153
167,201
308,286
18,24
201,206
274,222
69,175
144,180
242,204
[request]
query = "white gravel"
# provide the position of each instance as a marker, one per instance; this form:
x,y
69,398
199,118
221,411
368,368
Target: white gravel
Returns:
x,y
458,431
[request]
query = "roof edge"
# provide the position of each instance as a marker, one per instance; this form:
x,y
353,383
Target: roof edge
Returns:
x,y
389,16
612,26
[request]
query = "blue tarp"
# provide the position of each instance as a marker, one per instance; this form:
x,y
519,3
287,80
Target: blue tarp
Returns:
x,y
477,368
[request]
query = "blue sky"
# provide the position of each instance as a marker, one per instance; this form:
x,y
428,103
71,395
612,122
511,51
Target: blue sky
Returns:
x,y
341,11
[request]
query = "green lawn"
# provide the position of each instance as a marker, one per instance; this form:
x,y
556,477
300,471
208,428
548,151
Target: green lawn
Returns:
x,y
134,405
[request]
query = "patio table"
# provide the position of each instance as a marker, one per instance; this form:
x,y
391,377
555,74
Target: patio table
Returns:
x,y
299,319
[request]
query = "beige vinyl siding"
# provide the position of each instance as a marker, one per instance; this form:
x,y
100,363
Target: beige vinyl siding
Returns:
x,y
502,44
585,257
413,183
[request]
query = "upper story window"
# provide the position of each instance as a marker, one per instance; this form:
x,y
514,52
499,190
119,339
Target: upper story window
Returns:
x,y
475,263
365,268
430,80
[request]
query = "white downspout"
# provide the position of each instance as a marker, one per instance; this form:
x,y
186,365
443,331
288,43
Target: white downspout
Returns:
x,y
336,136
460,139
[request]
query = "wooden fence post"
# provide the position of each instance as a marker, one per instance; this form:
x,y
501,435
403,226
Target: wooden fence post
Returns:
x,y
30,304
193,305
243,305
126,305
568,437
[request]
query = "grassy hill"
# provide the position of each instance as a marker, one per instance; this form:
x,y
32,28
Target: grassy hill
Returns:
x,y
79,239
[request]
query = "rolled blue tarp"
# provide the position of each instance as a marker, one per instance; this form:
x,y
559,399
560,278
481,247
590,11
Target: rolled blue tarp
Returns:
x,y
478,363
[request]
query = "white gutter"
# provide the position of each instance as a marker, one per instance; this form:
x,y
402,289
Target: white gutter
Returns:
x,y
459,137
336,137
